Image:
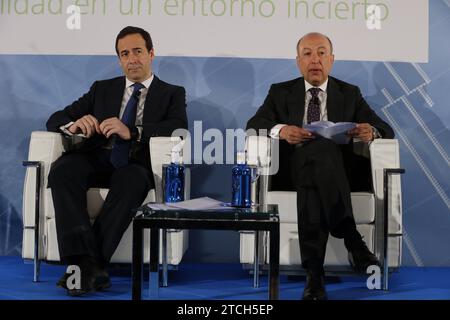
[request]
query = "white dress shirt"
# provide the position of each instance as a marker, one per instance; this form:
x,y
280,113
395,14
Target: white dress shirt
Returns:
x,y
275,131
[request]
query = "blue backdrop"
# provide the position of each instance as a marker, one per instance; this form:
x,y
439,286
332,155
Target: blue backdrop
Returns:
x,y
224,93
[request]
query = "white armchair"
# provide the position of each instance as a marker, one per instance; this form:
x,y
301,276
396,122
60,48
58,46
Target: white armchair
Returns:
x,y
39,228
369,210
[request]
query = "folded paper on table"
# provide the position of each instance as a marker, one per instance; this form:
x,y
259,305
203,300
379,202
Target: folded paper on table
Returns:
x,y
330,130
204,203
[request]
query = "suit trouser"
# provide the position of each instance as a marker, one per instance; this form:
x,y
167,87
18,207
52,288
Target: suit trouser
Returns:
x,y
69,179
323,199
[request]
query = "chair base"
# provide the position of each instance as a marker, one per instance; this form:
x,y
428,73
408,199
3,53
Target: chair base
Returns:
x,y
297,270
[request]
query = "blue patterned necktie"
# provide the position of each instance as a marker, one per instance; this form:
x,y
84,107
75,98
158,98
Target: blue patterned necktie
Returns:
x,y
121,148
313,106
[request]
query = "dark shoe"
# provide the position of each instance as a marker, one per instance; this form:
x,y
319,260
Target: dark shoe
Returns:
x,y
102,281
93,278
96,282
315,287
62,282
361,258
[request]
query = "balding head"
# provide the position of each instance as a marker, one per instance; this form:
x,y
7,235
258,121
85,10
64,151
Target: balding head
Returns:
x,y
315,34
315,57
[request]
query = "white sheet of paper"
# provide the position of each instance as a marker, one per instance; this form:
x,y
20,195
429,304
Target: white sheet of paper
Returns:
x,y
199,204
204,203
159,206
330,130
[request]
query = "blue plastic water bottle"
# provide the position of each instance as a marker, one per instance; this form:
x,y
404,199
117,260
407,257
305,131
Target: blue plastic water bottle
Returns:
x,y
174,178
241,183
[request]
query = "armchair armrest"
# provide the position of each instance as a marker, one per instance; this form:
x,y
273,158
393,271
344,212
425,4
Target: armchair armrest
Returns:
x,y
259,153
44,148
385,162
385,154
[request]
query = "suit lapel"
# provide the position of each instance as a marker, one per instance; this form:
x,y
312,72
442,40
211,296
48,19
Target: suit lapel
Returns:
x,y
295,102
114,100
152,99
335,102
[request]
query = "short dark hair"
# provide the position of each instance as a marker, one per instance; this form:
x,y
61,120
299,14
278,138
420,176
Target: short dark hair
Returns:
x,y
316,33
133,30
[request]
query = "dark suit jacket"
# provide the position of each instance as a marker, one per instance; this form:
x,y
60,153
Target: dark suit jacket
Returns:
x,y
164,112
285,104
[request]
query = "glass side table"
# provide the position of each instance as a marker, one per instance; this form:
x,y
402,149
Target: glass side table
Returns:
x,y
257,218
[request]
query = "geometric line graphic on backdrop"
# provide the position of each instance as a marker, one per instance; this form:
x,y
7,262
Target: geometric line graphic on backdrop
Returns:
x,y
420,122
418,158
412,249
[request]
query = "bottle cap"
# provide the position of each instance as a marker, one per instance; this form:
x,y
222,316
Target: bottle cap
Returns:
x,y
241,158
176,154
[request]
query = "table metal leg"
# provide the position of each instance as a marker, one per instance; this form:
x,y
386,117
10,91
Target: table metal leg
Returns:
x,y
137,262
256,261
274,263
164,258
154,264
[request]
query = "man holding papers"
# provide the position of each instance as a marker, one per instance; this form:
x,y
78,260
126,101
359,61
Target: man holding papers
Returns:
x,y
322,171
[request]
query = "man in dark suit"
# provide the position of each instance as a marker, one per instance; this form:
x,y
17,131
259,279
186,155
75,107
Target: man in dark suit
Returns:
x,y
322,172
115,119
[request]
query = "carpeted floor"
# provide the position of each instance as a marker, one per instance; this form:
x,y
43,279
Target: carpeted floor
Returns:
x,y
222,282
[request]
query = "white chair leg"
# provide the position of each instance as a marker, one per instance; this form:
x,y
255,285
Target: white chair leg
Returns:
x,y
387,174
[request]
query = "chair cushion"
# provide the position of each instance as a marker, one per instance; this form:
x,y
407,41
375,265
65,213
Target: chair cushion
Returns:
x,y
336,253
177,242
95,199
363,206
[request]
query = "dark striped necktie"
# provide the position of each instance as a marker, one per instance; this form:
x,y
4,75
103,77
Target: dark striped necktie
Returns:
x,y
314,106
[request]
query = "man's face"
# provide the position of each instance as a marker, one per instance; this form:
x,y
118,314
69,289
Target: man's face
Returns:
x,y
135,59
314,59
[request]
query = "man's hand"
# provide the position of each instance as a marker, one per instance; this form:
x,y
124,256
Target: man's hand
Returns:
x,y
362,131
294,134
115,126
86,125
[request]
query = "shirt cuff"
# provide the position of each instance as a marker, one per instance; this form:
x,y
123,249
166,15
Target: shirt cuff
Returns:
x,y
376,133
275,131
65,129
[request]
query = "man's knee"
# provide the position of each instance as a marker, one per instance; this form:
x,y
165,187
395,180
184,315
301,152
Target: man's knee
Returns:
x,y
64,168
133,175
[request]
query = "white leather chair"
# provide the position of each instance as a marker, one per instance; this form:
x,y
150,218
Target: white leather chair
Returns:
x,y
369,209
39,228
